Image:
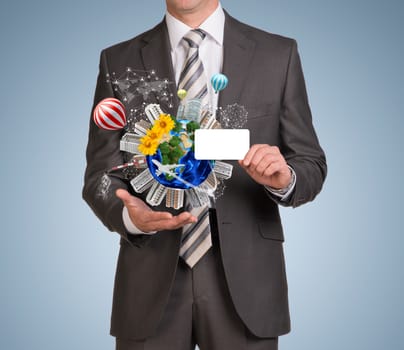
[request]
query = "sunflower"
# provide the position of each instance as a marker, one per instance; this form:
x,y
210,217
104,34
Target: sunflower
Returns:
x,y
164,124
148,146
154,134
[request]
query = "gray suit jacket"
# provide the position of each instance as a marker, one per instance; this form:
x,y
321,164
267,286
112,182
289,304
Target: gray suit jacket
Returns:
x,y
266,77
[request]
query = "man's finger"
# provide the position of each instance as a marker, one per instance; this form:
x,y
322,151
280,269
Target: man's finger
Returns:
x,y
260,156
273,168
266,161
250,154
186,217
174,223
147,216
182,220
125,196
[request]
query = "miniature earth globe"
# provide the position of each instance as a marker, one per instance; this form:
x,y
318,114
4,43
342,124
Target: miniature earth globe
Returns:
x,y
189,171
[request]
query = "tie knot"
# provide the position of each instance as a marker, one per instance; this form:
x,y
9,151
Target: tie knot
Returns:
x,y
194,37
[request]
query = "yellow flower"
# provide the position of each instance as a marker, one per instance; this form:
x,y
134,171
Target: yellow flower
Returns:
x,y
148,146
163,125
154,135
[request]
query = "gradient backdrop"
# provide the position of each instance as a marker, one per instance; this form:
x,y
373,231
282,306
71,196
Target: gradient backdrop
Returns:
x,y
344,251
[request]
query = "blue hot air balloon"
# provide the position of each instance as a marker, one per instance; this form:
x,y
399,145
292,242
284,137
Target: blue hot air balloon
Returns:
x,y
219,82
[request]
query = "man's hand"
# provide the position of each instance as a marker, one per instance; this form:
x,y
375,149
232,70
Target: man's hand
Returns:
x,y
147,220
266,165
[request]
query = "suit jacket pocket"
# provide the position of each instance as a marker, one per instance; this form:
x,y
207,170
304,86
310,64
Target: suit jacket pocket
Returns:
x,y
262,111
138,241
271,230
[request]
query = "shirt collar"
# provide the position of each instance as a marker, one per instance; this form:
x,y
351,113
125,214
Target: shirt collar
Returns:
x,y
213,26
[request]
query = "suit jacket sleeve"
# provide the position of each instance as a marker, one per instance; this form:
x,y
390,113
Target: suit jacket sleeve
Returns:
x,y
299,143
102,154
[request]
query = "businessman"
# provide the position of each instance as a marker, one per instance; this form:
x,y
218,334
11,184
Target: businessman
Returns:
x,y
215,278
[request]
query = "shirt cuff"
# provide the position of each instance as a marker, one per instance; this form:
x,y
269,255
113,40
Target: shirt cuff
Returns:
x,y
284,193
130,226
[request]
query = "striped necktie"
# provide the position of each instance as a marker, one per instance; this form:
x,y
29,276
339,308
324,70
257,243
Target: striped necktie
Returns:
x,y
193,78
196,237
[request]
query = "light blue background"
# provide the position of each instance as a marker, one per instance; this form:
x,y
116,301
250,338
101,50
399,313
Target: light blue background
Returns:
x,y
344,251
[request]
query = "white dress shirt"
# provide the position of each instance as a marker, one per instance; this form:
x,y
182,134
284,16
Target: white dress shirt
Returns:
x,y
211,55
210,50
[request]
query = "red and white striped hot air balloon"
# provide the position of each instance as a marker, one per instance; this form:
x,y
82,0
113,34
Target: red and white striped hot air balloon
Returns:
x,y
109,114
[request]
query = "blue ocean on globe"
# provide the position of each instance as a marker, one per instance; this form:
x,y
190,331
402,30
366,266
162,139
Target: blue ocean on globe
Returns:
x,y
193,173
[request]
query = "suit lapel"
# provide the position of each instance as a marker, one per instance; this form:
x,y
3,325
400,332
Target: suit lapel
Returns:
x,y
156,55
237,55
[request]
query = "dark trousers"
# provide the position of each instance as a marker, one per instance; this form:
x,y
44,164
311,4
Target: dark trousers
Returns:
x,y
200,311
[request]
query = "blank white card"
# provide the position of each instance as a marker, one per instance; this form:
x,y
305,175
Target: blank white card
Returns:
x,y
221,144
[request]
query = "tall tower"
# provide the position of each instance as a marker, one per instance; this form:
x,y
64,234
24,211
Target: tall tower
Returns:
x,y
193,109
